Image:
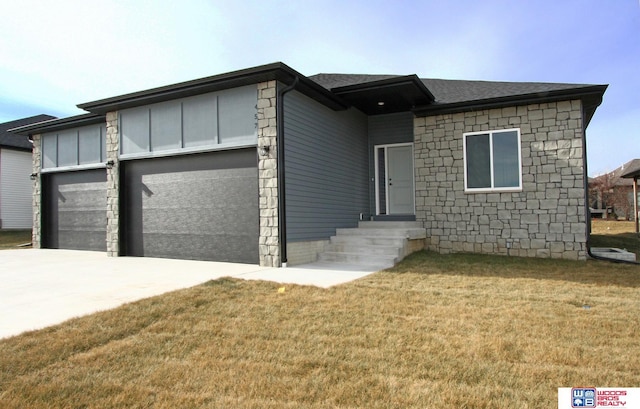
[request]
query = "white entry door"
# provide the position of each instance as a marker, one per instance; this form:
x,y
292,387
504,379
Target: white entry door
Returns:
x,y
394,184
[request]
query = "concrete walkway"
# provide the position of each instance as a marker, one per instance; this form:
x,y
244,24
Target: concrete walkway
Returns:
x,y
39,288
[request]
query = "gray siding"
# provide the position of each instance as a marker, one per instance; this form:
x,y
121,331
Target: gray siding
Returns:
x,y
326,155
390,128
383,130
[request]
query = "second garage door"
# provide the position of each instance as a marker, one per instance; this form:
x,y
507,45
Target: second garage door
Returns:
x,y
199,207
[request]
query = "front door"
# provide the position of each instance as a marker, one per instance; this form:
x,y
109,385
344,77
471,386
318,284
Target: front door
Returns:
x,y
394,180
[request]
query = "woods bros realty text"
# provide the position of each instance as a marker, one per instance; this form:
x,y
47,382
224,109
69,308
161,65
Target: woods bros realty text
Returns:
x,y
593,397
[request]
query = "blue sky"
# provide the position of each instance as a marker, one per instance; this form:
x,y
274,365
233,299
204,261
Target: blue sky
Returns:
x,y
56,54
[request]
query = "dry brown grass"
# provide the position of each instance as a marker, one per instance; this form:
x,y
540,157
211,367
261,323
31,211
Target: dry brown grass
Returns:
x,y
10,239
613,233
438,331
608,227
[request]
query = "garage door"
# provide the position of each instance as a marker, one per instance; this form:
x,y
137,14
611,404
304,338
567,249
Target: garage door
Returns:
x,y
200,207
74,214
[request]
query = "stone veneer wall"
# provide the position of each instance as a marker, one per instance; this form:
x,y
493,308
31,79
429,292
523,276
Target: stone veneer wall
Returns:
x,y
36,232
113,186
546,219
269,241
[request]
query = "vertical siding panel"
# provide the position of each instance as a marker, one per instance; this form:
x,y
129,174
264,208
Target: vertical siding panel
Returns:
x,y
15,189
326,168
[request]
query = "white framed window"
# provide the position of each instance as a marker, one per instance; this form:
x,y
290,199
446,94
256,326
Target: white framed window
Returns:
x,y
492,161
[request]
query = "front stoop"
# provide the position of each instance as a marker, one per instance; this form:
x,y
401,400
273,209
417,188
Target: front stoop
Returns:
x,y
375,243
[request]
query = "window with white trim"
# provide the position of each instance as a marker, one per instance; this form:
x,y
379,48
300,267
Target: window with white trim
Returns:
x,y
492,161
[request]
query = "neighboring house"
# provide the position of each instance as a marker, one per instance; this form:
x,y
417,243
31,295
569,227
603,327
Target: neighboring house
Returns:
x,y
264,165
611,194
15,167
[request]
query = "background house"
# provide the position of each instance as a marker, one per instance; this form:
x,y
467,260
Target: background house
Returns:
x,y
611,194
15,168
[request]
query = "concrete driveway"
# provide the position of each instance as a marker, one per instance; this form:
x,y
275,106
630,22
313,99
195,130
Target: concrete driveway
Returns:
x,y
39,288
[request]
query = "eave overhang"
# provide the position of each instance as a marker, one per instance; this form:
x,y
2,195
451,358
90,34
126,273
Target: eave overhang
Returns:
x,y
591,97
398,94
54,125
277,71
633,174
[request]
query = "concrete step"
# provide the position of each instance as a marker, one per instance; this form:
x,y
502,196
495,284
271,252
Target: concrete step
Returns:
x,y
368,240
382,261
390,225
410,233
347,247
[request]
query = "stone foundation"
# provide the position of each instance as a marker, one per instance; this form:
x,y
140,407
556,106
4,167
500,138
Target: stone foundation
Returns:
x,y
304,252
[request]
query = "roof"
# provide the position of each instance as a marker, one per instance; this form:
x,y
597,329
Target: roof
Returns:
x,y
17,141
276,71
461,95
372,94
622,175
59,124
630,170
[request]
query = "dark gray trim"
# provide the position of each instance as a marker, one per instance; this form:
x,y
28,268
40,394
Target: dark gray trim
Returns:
x,y
276,71
59,124
282,200
590,96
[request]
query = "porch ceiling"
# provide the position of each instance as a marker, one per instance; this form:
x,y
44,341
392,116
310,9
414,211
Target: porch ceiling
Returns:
x,y
396,94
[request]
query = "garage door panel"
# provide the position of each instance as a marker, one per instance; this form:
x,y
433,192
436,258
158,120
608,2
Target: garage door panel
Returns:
x,y
202,207
82,220
220,247
82,240
75,206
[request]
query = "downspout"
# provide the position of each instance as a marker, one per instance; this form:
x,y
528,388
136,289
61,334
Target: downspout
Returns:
x,y
586,198
282,202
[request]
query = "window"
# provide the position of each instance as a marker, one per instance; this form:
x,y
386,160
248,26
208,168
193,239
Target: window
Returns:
x,y
85,146
226,118
492,161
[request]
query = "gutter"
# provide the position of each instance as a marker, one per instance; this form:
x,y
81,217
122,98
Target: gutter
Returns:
x,y
282,203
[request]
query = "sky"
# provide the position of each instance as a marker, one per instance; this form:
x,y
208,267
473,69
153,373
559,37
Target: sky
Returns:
x,y
57,54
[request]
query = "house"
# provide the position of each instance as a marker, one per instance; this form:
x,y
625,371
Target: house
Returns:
x,y
15,168
265,165
611,194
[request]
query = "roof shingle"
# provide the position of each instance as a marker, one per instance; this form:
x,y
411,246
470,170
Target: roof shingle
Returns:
x,y
13,140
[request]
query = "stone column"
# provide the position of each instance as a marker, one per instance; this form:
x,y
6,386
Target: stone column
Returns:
x,y
269,244
113,186
36,232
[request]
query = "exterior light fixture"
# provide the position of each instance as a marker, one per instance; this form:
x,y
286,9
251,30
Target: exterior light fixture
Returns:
x,y
33,176
380,103
263,150
110,164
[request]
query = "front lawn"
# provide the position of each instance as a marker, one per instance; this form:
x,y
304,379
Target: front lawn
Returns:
x,y
614,233
11,239
438,331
